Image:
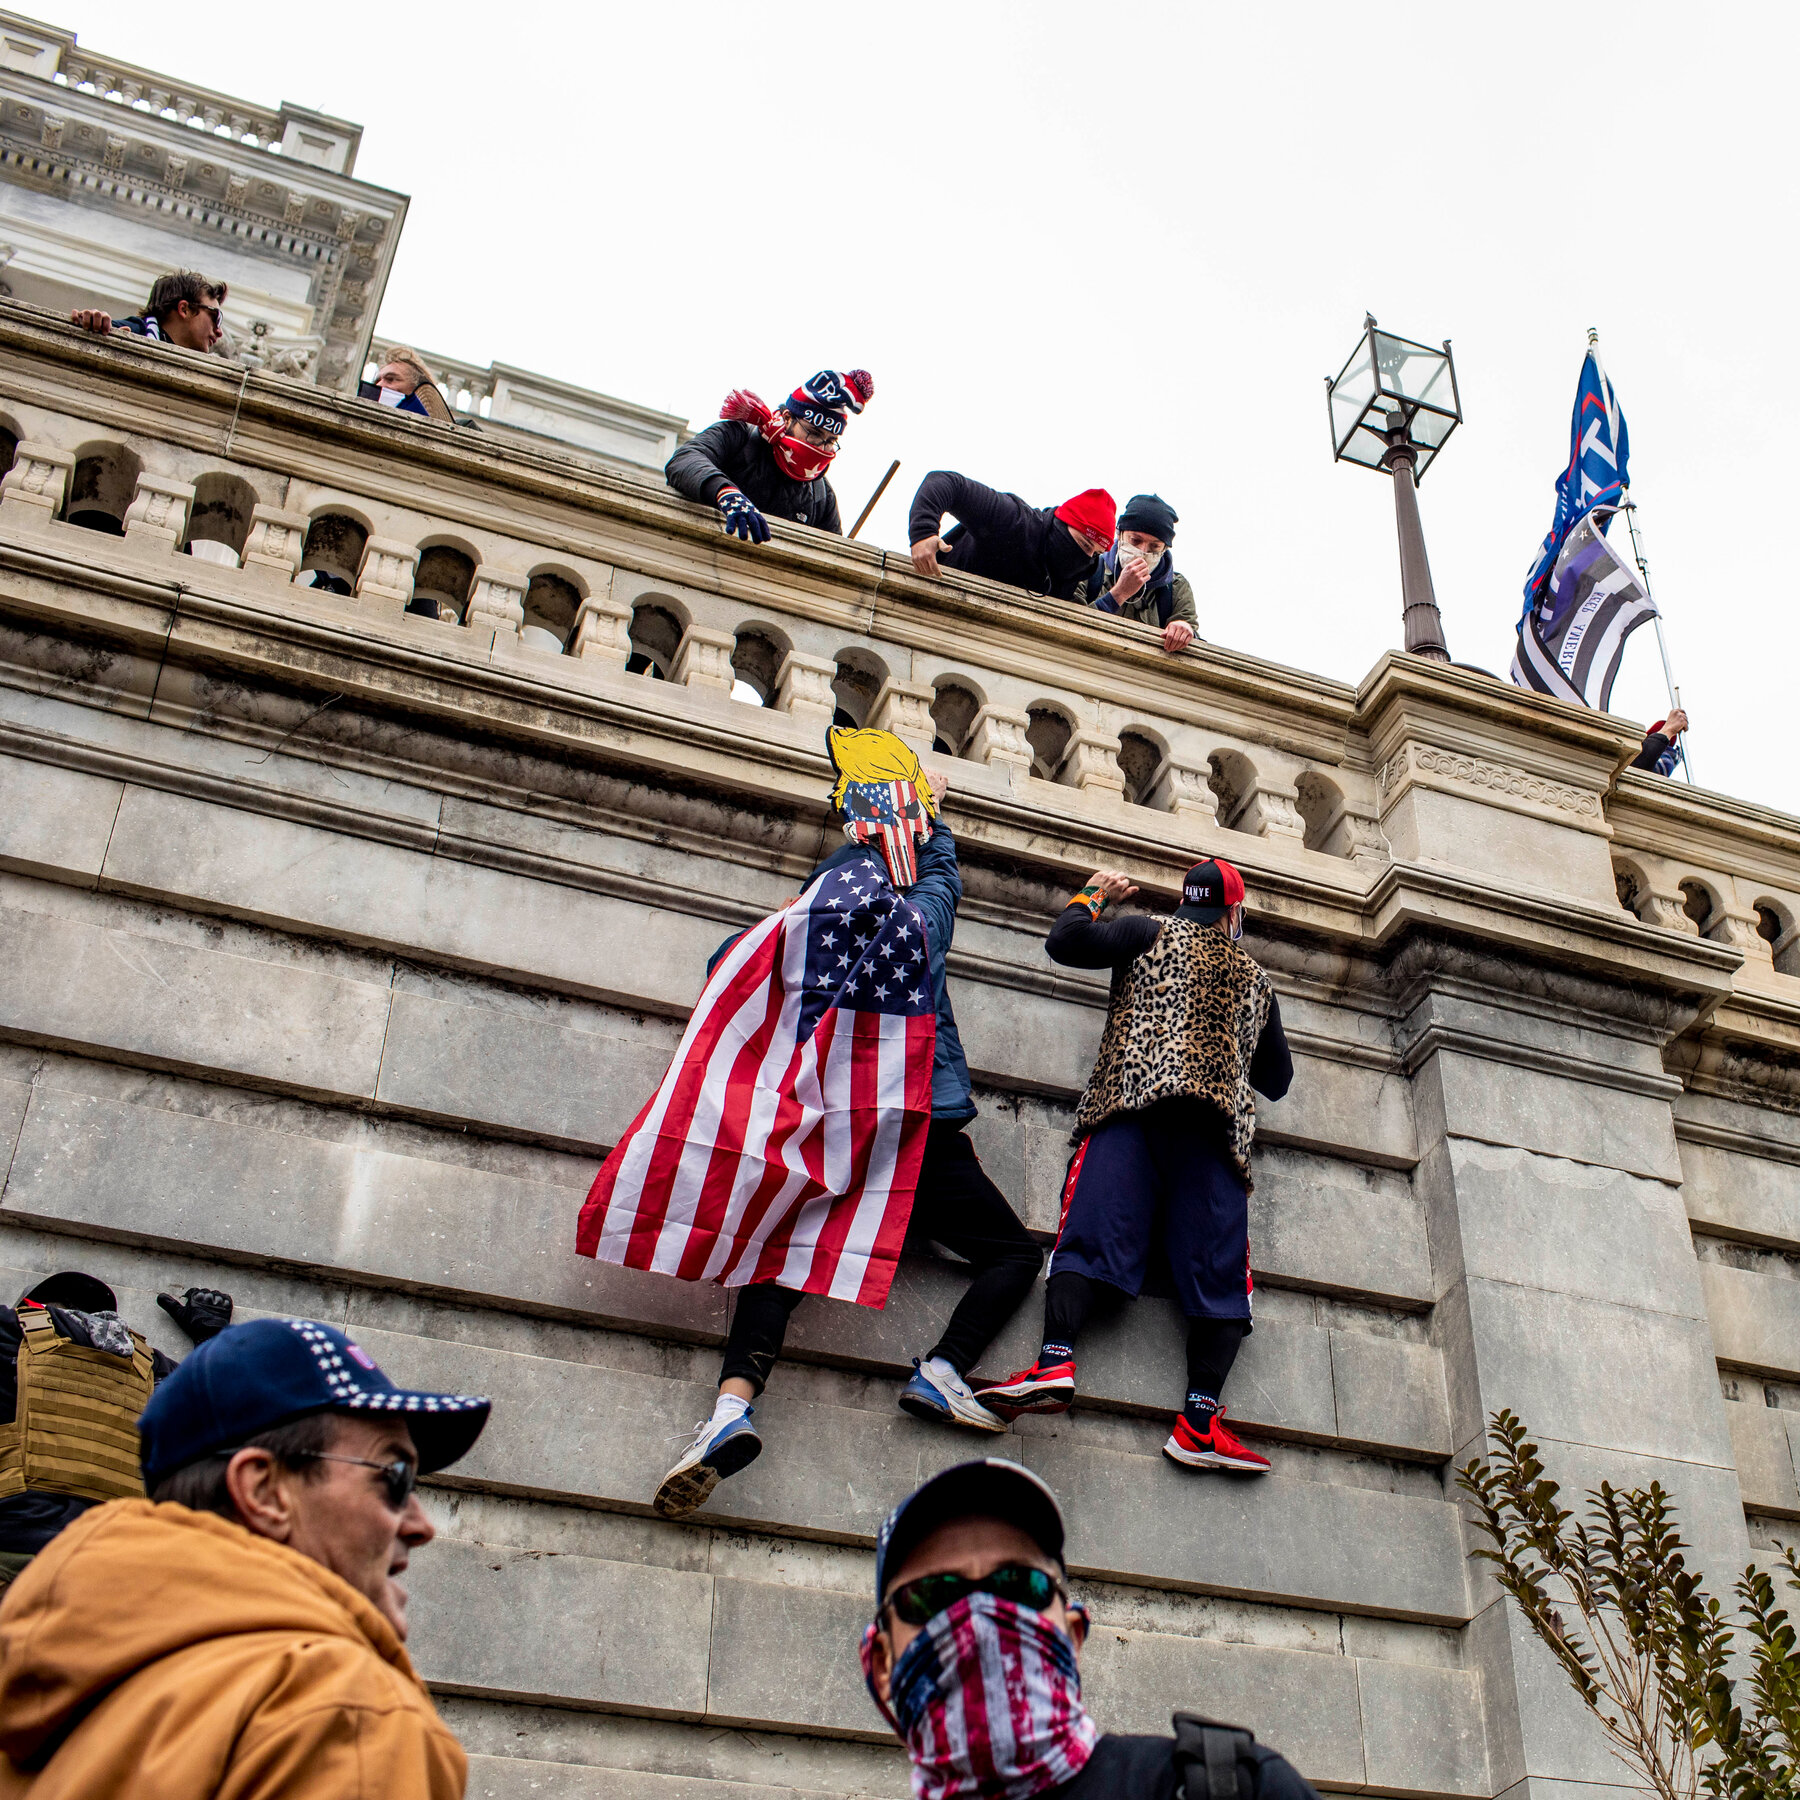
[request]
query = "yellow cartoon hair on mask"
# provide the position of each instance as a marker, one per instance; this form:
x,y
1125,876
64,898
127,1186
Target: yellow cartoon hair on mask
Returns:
x,y
859,755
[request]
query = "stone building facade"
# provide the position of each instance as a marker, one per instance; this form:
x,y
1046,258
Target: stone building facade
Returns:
x,y
339,943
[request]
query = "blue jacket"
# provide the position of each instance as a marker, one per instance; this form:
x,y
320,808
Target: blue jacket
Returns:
x,y
935,894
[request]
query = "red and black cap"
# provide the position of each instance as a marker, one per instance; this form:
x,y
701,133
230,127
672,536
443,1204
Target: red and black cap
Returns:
x,y
1209,890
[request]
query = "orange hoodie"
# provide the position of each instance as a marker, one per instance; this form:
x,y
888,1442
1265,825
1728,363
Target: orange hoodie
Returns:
x,y
165,1654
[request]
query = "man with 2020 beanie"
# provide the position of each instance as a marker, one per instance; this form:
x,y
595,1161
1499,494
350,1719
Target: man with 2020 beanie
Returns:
x,y
241,1631
974,1659
1162,1144
1044,549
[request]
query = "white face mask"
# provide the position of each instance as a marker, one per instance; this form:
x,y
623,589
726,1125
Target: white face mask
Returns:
x,y
1237,923
390,396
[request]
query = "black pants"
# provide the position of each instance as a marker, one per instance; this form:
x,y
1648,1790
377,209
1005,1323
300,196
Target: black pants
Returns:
x,y
1212,1345
956,1206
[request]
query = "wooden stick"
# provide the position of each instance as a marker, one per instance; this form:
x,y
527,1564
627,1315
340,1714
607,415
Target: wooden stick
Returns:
x,y
862,518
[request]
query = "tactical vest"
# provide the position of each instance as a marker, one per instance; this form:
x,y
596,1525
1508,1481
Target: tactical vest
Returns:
x,y
75,1428
1184,1020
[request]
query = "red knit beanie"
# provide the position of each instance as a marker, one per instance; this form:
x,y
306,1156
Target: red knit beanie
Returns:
x,y
1093,511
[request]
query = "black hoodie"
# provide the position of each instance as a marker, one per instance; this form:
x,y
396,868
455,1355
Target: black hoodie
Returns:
x,y
1001,536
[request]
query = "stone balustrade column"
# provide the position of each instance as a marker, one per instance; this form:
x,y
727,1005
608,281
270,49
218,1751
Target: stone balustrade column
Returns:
x,y
904,708
602,631
1183,788
497,601
36,486
1270,809
803,690
275,545
1091,762
704,659
156,521
1729,925
386,575
997,736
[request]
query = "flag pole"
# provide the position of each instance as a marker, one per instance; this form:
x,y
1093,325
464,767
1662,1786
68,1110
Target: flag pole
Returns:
x,y
1629,508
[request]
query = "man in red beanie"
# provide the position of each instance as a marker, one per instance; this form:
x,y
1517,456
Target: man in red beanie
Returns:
x,y
1045,550
1162,1144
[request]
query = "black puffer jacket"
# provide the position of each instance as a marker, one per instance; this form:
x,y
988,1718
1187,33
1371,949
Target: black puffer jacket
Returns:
x,y
1002,537
732,453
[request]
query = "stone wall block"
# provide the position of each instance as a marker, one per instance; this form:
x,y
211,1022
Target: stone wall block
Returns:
x,y
497,600
997,737
36,486
1181,788
386,575
156,521
803,690
275,545
602,631
1762,1441
1091,762
704,659
904,708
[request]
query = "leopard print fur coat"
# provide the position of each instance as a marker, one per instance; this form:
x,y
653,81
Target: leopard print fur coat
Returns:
x,y
1184,1018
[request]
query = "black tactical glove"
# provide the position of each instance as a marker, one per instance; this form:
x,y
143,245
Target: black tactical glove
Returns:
x,y
202,1314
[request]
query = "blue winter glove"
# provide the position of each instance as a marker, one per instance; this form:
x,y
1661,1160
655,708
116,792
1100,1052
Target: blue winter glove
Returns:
x,y
742,518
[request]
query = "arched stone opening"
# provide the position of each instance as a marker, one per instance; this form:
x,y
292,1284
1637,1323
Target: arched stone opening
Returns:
x,y
551,603
102,486
219,519
441,583
953,711
1232,779
1047,730
9,442
1630,886
857,682
333,552
1141,757
1319,802
756,661
656,634
1699,902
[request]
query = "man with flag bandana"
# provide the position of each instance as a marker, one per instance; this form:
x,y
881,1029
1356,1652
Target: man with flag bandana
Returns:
x,y
974,1657
1162,1144
759,459
892,825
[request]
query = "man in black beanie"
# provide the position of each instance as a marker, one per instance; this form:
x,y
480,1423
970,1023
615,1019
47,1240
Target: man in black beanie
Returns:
x,y
1137,578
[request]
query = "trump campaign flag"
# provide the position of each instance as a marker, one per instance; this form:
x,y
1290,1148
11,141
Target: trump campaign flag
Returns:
x,y
784,1142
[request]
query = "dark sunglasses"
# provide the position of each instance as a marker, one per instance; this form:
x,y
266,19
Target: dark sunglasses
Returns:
x,y
398,1477
922,1600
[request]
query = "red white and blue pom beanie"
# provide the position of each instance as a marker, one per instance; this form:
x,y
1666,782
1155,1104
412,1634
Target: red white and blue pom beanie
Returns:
x,y
824,401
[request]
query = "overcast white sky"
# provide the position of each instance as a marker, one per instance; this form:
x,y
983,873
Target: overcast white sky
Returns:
x,y
1120,246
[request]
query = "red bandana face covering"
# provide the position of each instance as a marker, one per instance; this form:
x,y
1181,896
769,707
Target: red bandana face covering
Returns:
x,y
988,1700
797,459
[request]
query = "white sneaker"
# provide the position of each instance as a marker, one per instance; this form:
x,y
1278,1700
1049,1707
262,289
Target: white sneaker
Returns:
x,y
942,1394
721,1447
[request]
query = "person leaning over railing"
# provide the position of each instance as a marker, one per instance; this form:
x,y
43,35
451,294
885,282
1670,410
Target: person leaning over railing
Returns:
x,y
760,459
407,385
242,1632
184,309
974,1659
1052,550
1137,578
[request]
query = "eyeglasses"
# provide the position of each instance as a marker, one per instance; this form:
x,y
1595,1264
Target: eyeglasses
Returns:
x,y
921,1601
398,1477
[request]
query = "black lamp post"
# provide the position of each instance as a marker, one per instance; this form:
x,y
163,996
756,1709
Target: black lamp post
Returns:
x,y
1392,407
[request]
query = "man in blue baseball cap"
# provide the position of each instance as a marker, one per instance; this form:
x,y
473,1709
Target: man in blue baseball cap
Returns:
x,y
242,1629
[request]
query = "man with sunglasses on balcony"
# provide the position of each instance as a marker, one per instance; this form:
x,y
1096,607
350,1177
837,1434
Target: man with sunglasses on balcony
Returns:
x,y
759,459
184,309
242,1630
974,1658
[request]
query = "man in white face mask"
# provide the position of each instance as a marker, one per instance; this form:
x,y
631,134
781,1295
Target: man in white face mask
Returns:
x,y
974,1655
1137,578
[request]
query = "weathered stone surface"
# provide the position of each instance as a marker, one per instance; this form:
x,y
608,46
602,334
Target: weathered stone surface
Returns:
x,y
55,822
1763,1441
1755,1318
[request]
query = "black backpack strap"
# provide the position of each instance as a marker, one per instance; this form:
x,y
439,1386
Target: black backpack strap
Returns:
x,y
1211,1759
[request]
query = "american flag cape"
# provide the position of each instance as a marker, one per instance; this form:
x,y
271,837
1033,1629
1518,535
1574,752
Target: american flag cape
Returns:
x,y
784,1142
1575,637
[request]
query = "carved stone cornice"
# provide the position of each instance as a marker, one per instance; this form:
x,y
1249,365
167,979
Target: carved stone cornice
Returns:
x,y
1435,767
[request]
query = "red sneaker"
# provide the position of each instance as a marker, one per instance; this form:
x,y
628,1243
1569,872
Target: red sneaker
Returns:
x,y
1044,1387
1219,1448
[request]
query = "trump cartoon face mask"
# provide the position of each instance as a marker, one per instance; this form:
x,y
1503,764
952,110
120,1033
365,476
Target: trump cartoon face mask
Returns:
x,y
883,795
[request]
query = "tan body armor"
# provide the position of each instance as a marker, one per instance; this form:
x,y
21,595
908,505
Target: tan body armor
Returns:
x,y
75,1429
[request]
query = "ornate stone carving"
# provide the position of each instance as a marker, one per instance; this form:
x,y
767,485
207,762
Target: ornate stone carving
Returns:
x,y
704,659
602,630
36,485
904,708
497,600
1361,839
175,170
386,575
52,131
1182,788
803,690
348,224
1667,911
997,736
275,545
1091,762
237,189
1270,813
157,518
114,155
1427,759
295,209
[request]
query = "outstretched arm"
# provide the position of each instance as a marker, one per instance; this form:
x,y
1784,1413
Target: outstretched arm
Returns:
x,y
1082,939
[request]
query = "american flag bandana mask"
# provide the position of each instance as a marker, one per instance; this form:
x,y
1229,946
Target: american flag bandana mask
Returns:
x,y
988,1700
889,815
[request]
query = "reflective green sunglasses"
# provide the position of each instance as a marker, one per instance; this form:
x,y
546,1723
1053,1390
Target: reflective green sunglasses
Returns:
x,y
922,1600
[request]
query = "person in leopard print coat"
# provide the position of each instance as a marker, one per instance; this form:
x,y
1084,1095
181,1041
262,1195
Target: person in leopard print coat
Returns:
x,y
1162,1144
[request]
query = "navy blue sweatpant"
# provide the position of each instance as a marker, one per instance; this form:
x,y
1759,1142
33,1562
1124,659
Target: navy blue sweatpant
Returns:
x,y
1162,1173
